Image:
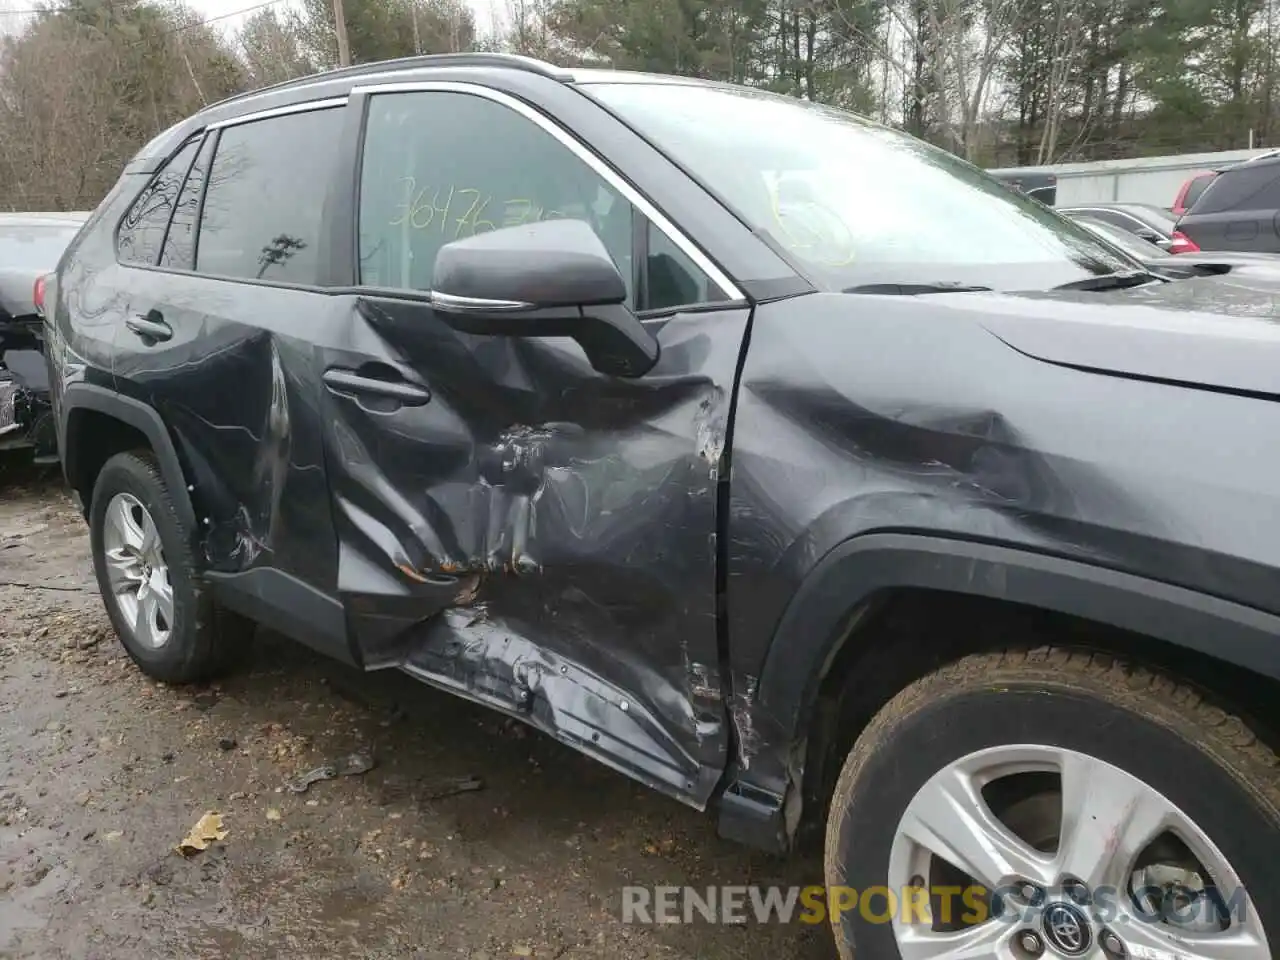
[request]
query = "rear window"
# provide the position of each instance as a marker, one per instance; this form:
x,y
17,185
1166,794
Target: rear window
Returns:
x,y
1247,187
1195,188
34,247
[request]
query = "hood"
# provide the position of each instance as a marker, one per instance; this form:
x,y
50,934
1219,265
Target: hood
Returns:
x,y
1217,332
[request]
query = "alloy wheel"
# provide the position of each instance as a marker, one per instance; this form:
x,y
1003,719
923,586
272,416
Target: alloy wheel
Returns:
x,y
137,571
1074,857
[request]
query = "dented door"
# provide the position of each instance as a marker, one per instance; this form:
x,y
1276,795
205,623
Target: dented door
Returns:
x,y
517,527
512,524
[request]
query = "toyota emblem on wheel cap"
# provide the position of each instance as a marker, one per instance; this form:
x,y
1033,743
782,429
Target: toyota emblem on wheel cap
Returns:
x,y
1067,929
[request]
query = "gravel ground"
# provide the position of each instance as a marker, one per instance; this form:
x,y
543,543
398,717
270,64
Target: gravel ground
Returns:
x,y
103,772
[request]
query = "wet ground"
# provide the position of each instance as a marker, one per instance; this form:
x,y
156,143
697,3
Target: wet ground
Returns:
x,y
102,774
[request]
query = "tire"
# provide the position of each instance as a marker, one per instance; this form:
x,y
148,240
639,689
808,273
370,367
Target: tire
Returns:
x,y
1051,702
198,641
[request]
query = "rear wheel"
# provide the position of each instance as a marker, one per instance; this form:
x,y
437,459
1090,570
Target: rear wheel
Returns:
x,y
149,580
1055,804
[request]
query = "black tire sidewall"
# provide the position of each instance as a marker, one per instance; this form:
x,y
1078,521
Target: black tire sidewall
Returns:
x,y
941,732
129,473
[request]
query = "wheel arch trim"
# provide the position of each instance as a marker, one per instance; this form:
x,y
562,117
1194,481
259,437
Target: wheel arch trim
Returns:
x,y
817,623
810,632
143,418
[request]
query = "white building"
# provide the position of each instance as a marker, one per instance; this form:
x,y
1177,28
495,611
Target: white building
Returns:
x,y
1153,180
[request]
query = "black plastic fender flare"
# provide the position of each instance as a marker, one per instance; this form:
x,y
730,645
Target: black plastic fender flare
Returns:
x,y
816,623
135,413
809,632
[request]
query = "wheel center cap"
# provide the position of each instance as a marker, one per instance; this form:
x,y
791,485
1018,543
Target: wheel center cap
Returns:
x,y
1067,930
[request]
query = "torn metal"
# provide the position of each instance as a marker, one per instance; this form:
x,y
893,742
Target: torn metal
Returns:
x,y
26,418
536,535
542,537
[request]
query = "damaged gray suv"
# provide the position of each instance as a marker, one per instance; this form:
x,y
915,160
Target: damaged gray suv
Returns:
x,y
778,460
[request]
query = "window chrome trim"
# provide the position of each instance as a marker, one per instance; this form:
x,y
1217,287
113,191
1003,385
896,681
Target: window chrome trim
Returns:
x,y
453,303
586,155
309,105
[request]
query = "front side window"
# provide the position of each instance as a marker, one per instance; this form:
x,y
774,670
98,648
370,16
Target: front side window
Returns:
x,y
851,201
141,232
439,166
261,218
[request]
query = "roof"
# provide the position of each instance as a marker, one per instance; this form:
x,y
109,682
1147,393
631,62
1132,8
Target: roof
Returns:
x,y
509,61
1266,161
338,84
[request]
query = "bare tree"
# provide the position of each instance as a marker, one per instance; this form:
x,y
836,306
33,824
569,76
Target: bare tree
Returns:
x,y
962,41
271,46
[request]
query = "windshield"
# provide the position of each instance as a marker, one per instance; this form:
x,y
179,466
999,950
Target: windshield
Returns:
x,y
854,203
32,247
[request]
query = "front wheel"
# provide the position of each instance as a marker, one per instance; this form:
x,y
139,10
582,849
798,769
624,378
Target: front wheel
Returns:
x,y
1054,804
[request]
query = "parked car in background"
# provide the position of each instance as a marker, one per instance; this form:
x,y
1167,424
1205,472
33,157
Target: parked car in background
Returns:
x,y
1179,266
1035,184
1144,220
1190,191
30,246
1239,210
893,505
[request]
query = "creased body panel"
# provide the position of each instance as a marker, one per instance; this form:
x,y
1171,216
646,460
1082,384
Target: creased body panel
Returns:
x,y
238,390
539,535
861,414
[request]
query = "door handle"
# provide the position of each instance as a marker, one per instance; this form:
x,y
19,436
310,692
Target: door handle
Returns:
x,y
150,328
394,387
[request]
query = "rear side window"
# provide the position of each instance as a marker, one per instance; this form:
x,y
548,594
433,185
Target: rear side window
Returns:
x,y
1195,188
261,218
1246,187
180,242
141,232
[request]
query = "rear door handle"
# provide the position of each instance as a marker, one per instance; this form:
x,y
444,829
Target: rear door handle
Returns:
x,y
150,327
341,380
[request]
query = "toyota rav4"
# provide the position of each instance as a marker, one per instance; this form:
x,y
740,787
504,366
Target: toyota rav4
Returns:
x,y
774,458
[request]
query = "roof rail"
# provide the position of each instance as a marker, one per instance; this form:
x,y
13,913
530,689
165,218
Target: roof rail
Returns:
x,y
509,60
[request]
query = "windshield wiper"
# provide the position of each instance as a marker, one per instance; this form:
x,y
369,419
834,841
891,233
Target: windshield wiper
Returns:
x,y
914,289
1110,281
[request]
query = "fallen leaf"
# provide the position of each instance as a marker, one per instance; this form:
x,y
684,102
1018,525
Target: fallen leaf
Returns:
x,y
273,813
207,829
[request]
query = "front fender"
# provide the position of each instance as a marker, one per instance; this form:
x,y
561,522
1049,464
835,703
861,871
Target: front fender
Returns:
x,y
817,619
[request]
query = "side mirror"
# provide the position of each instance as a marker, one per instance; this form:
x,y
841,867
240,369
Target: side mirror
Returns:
x,y
552,278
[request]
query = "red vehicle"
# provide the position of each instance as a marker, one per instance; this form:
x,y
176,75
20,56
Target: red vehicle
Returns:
x,y
1190,191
